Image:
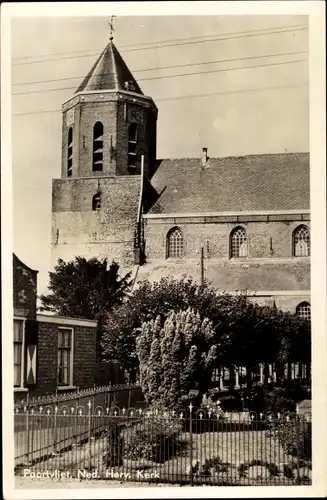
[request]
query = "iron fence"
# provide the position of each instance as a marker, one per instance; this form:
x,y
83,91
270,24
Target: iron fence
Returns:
x,y
186,447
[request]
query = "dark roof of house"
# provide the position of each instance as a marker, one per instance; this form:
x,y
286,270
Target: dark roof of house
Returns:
x,y
109,72
233,184
231,277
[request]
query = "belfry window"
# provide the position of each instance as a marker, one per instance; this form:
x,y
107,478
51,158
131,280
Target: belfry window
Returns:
x,y
132,142
97,163
238,243
175,243
301,242
96,202
304,310
70,153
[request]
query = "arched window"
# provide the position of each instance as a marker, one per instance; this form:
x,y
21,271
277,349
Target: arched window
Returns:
x,y
97,162
132,141
304,310
301,242
96,201
175,243
238,243
70,153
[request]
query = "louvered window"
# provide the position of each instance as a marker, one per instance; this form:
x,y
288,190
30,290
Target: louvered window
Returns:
x,y
97,164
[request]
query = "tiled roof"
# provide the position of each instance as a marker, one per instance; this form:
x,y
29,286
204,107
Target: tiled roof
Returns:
x,y
230,277
109,72
245,183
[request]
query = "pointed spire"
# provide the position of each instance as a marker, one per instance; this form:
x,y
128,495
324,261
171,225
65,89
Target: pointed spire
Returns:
x,y
109,72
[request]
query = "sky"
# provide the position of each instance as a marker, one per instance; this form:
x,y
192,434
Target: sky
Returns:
x,y
196,68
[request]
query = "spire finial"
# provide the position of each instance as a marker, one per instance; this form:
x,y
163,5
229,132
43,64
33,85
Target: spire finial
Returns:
x,y
112,29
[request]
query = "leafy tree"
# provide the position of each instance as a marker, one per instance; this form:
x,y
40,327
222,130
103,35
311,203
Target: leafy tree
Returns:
x,y
176,361
246,333
85,289
150,300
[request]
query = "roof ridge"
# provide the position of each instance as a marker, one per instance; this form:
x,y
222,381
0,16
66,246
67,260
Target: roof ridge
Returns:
x,y
259,155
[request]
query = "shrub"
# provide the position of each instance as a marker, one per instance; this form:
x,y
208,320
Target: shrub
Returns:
x,y
156,438
274,400
295,437
114,454
231,403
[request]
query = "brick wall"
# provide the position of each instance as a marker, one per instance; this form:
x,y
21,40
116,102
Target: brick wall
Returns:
x,y
110,109
84,350
265,239
109,232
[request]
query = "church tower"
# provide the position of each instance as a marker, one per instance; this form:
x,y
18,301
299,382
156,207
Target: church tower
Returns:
x,y
108,156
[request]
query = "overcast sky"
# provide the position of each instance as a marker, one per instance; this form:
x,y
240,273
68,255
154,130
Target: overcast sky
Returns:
x,y
236,119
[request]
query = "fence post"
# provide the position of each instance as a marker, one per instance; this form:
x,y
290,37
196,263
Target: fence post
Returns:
x,y
129,397
89,404
191,444
55,429
297,431
26,408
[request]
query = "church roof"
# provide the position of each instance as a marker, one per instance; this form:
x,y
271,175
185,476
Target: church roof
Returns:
x,y
233,184
109,72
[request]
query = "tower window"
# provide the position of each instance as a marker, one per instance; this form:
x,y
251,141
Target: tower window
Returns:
x,y
301,242
238,243
132,141
96,201
97,164
70,153
304,310
175,243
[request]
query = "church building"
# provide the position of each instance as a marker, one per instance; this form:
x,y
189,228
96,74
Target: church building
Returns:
x,y
241,223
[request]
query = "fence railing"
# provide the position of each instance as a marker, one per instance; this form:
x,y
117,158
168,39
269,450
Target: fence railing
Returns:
x,y
120,395
184,447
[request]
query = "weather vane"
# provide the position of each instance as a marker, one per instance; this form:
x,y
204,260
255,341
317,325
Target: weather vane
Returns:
x,y
111,26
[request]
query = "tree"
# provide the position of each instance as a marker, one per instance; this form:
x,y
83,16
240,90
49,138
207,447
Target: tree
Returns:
x,y
247,334
150,300
177,360
85,289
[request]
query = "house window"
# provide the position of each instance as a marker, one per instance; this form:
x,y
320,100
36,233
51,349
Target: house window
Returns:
x,y
132,141
97,163
70,153
175,243
301,242
304,310
65,356
238,244
18,352
96,201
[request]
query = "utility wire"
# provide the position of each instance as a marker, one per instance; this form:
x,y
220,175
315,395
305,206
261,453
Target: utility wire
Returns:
x,y
173,66
240,91
169,45
162,41
256,66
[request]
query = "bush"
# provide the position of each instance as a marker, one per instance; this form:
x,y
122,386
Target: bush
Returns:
x,y
276,400
155,438
231,403
114,454
296,390
295,437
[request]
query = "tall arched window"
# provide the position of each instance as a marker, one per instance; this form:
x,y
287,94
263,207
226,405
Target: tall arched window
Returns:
x,y
97,162
301,242
175,243
132,141
70,153
238,243
96,201
304,310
